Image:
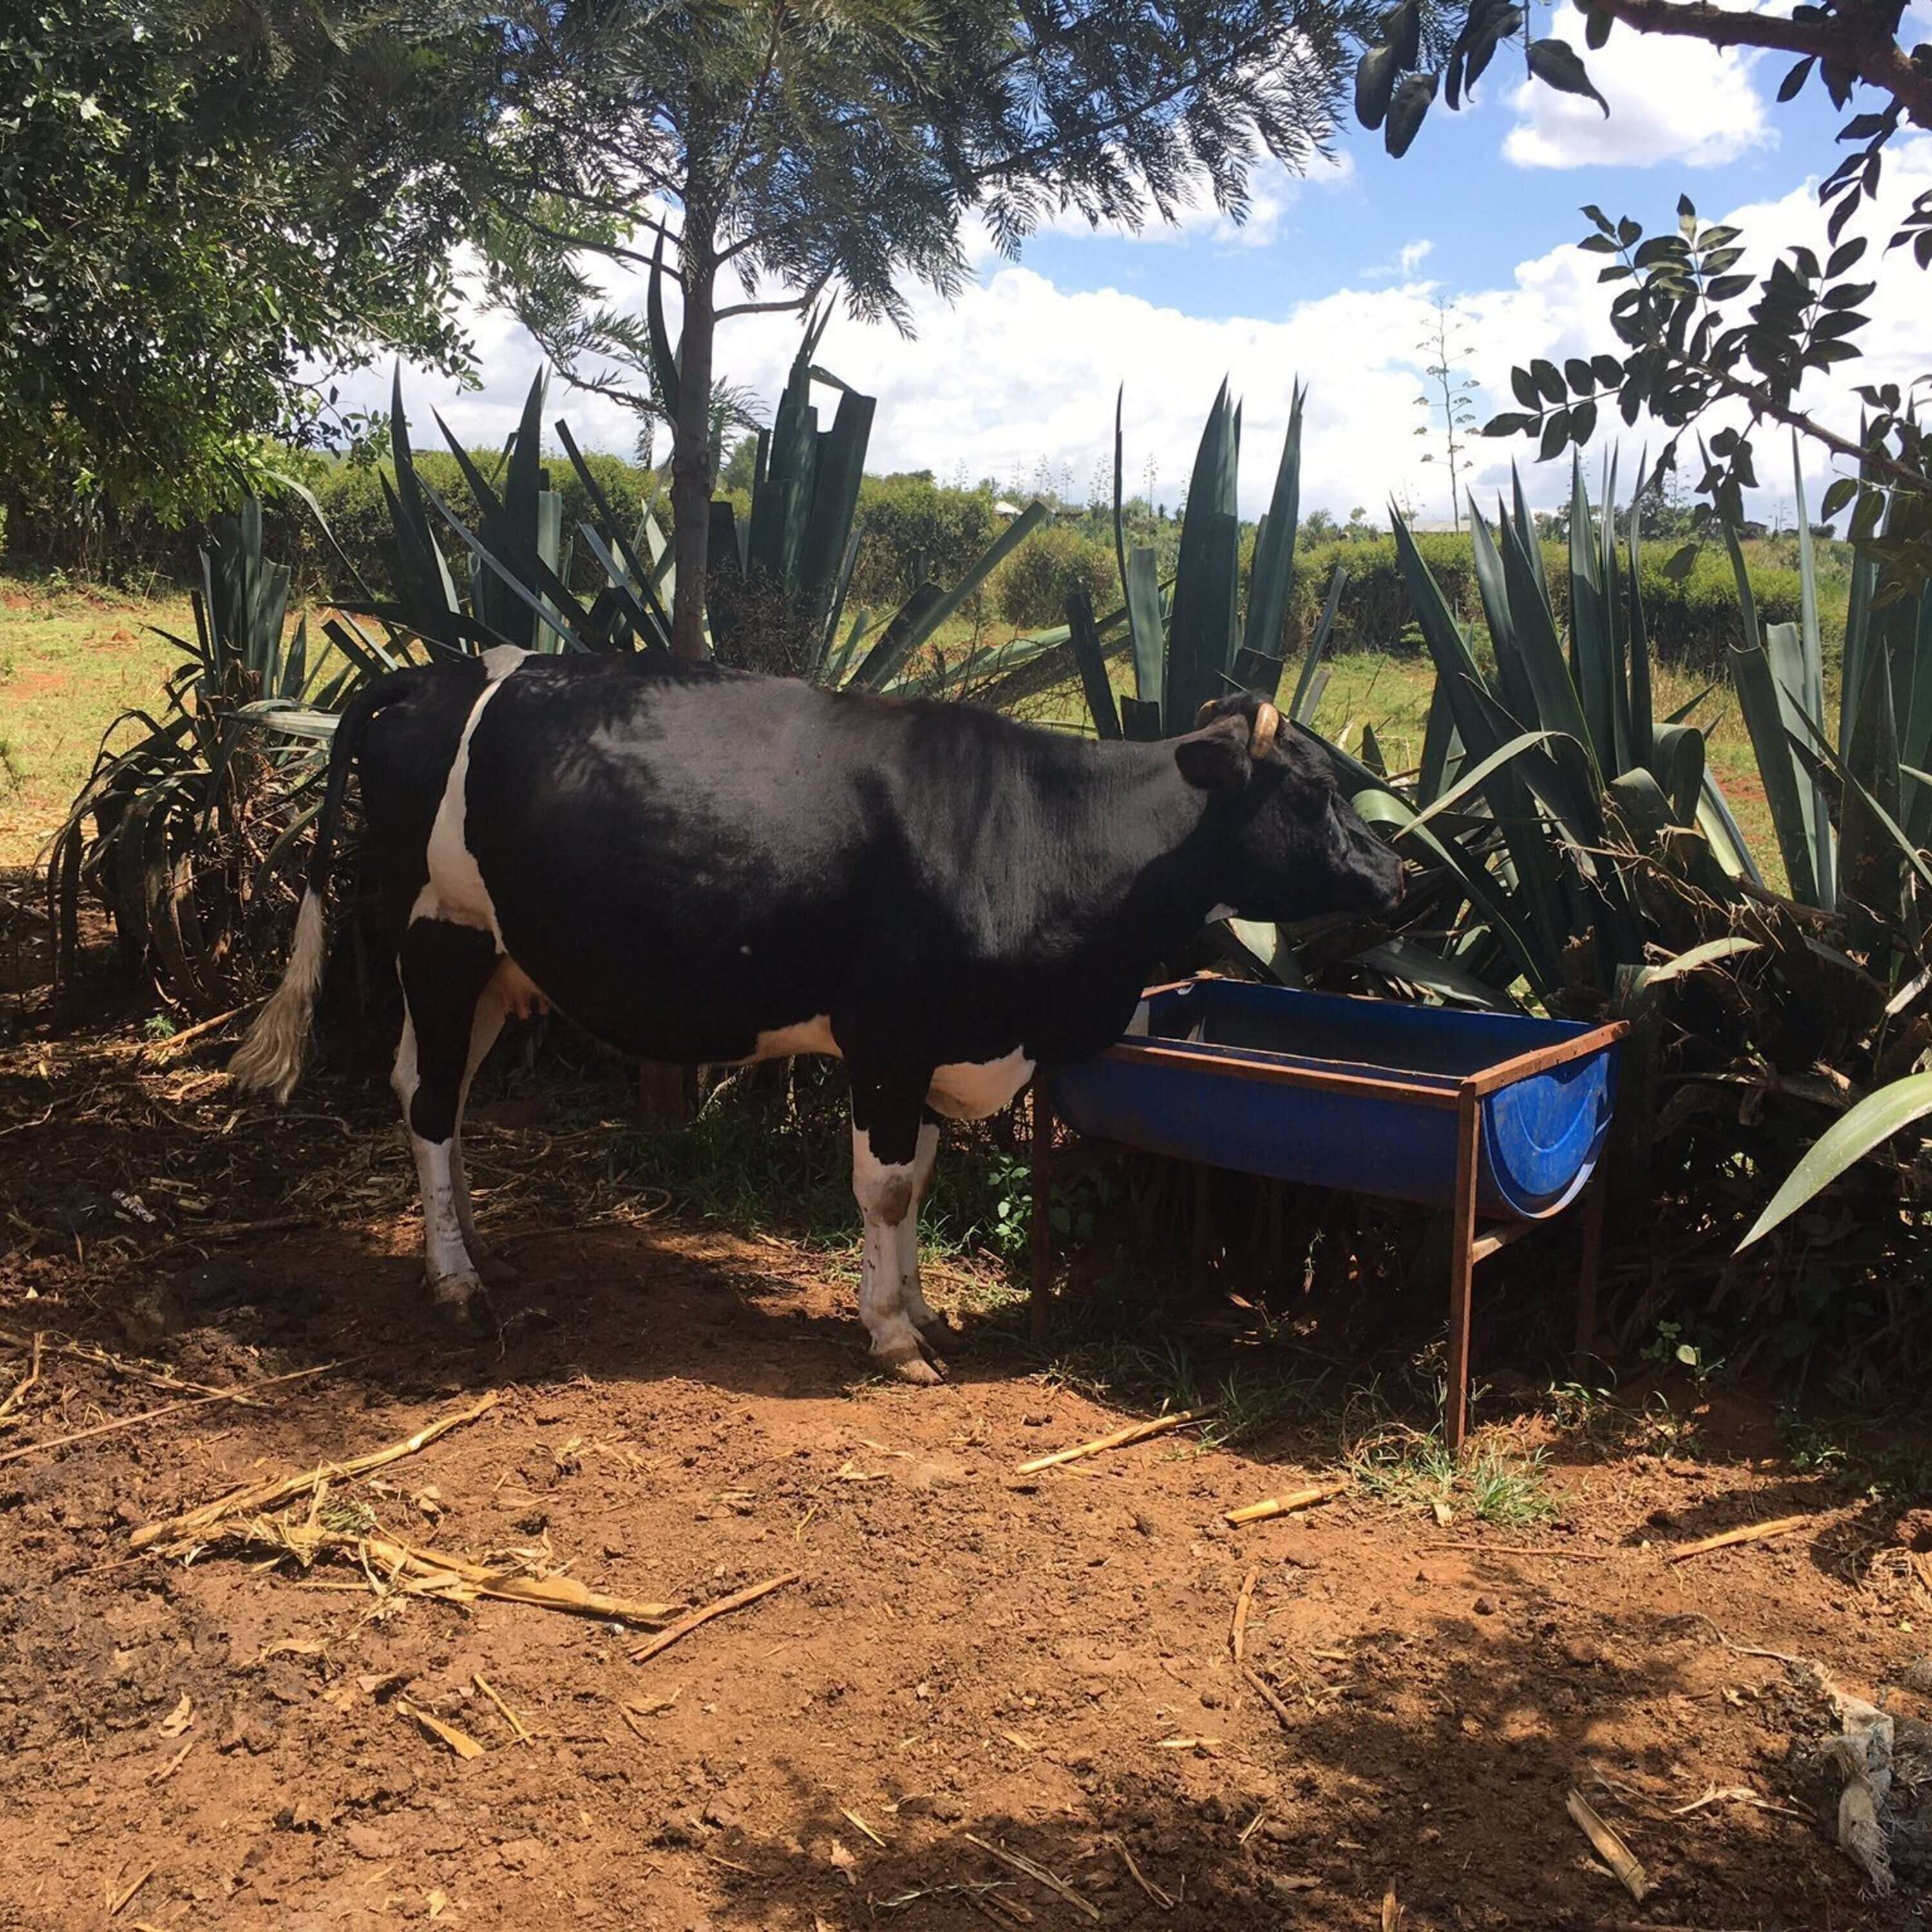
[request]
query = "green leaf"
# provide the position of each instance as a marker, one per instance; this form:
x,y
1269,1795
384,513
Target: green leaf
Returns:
x,y
1200,631
1405,113
1093,664
1271,576
1558,65
1874,1121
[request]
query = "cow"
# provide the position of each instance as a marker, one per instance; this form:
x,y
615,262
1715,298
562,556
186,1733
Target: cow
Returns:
x,y
701,865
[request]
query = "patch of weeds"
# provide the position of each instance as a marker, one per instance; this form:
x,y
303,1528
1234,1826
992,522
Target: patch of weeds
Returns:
x,y
1250,1406
156,1026
1407,1467
1117,1370
1812,1448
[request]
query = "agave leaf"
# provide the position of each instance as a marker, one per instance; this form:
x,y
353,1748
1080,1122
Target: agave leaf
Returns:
x,y
1592,636
519,592
1271,576
1201,628
1307,687
1677,763
1145,620
1533,636
1710,953
1869,860
1874,1121
1377,807
1088,654
1643,728
1455,983
1766,710
1474,780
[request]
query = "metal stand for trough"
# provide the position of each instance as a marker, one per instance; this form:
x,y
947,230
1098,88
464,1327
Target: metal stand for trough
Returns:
x,y
1471,1241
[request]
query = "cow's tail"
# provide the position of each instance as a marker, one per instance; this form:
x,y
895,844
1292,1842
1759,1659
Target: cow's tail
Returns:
x,y
270,1059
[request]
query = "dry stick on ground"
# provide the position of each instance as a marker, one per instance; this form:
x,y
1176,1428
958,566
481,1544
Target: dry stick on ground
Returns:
x,y
698,1618
1273,1506
255,1497
1269,1696
1755,1532
489,1690
1163,1899
1522,1549
120,1901
1238,1631
26,1382
1039,1873
1609,1846
160,1050
166,1408
1138,1431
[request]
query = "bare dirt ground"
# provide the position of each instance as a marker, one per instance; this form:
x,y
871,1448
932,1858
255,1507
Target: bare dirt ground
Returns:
x,y
969,1658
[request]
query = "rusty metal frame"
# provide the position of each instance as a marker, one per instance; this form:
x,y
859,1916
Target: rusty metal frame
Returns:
x,y
1470,1244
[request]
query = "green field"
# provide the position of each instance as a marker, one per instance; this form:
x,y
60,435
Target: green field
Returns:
x,y
72,659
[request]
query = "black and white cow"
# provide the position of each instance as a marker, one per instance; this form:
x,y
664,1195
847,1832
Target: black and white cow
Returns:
x,y
699,865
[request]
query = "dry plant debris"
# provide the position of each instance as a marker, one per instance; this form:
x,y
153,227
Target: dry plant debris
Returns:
x,y
1753,1532
188,1527
1039,1873
1609,1846
723,1607
1136,1432
166,1408
1284,1505
460,1742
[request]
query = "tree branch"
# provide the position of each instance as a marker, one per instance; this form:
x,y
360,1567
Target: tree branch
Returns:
x,y
1861,43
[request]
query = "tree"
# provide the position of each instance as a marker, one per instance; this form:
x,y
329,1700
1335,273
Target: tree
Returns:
x,y
1450,391
199,208
763,150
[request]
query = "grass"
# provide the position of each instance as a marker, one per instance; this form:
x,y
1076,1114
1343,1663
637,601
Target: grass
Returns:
x,y
72,658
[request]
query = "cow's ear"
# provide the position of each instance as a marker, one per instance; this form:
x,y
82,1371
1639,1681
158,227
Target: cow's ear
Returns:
x,y
1217,758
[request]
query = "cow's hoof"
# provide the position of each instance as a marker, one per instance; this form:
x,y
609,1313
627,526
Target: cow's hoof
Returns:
x,y
910,1365
461,1302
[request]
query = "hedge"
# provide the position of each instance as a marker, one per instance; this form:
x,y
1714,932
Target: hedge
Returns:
x,y
1691,622
1036,580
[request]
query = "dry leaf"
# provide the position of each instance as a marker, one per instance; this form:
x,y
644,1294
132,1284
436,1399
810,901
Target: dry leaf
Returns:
x,y
439,1904
179,1718
1391,1910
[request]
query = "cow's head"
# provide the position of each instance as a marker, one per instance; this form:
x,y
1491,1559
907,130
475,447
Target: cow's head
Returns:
x,y
1291,844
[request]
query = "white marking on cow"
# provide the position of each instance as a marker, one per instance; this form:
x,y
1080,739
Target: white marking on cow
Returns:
x,y
455,889
811,1036
887,1194
965,1091
1221,912
452,1276
485,1026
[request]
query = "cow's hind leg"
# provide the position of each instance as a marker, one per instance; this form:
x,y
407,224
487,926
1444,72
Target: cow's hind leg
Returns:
x,y
893,1148
485,1026
445,968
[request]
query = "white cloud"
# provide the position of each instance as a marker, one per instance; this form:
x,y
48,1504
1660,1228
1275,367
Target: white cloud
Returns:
x,y
1676,100
1019,372
1407,258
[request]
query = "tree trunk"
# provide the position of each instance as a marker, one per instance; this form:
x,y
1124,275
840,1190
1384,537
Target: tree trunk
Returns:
x,y
691,449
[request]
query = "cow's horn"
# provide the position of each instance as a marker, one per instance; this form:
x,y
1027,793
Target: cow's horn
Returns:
x,y
1201,716
1268,722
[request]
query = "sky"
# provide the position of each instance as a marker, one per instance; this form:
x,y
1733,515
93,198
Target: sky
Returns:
x,y
1331,280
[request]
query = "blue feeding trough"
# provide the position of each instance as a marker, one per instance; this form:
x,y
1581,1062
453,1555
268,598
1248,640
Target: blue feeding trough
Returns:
x,y
1358,1094
1493,1116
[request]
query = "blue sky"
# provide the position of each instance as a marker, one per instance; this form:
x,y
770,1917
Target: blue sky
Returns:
x,y
1331,279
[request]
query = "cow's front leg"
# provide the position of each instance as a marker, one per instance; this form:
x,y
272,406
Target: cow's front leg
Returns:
x,y
892,1149
933,1328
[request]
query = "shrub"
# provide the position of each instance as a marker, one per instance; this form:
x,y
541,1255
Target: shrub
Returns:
x,y
1689,623
351,496
1034,585
915,532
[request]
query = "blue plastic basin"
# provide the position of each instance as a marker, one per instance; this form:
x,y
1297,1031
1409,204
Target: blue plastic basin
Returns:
x,y
1200,1099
